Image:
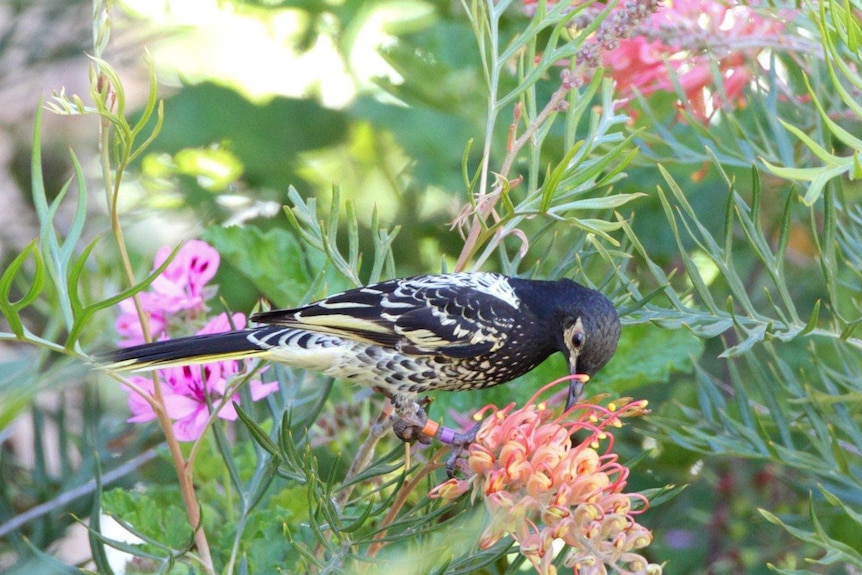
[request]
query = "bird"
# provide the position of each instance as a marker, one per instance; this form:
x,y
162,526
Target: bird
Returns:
x,y
409,336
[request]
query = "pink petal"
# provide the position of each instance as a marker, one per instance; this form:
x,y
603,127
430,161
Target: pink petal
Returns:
x,y
259,389
191,427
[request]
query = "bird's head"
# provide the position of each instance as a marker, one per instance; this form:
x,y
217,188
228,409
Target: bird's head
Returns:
x,y
589,335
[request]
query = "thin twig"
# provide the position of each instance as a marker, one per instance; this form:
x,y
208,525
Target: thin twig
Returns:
x,y
486,201
406,489
366,450
183,469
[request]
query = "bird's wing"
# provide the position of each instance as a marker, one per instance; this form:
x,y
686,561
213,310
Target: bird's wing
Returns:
x,y
456,315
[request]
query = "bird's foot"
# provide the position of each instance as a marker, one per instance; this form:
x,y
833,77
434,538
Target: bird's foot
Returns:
x,y
411,424
411,421
457,461
411,432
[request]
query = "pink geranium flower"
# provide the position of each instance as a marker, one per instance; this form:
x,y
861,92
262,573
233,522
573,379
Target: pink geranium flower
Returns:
x,y
128,323
180,287
188,391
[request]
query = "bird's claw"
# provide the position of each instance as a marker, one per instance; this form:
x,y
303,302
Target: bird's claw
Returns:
x,y
412,420
456,462
409,432
411,424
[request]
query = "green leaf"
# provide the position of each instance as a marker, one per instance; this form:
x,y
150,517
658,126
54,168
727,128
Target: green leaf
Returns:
x,y
19,384
552,182
97,547
77,226
82,312
833,499
258,433
648,354
154,513
272,261
10,309
604,203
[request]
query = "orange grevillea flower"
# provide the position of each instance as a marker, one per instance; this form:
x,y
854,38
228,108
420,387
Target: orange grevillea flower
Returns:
x,y
553,483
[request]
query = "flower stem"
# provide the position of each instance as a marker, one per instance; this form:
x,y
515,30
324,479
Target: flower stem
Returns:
x,y
183,469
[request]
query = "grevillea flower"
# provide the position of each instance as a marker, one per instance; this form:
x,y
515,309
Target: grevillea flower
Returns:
x,y
684,43
690,42
189,393
543,488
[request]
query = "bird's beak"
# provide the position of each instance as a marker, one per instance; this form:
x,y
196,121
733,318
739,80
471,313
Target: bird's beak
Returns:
x,y
576,384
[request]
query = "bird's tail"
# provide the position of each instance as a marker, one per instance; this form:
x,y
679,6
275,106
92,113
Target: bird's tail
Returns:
x,y
183,351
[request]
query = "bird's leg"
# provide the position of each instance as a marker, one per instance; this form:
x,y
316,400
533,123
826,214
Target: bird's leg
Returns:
x,y
412,423
408,418
460,441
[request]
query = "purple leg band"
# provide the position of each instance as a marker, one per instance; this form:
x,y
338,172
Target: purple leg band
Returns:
x,y
446,435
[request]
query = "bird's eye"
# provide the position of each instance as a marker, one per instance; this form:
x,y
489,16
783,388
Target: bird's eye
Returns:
x,y
578,339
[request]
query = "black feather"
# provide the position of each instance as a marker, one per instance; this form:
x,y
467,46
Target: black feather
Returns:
x,y
170,350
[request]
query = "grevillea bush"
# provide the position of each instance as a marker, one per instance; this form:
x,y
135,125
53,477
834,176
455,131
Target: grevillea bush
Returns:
x,y
697,161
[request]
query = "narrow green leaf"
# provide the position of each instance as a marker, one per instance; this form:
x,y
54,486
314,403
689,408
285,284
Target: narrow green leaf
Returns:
x,y
830,160
841,549
40,200
85,312
833,499
77,226
352,236
469,183
154,133
97,547
812,321
602,203
839,132
258,433
784,232
151,104
9,308
224,448
552,181
332,223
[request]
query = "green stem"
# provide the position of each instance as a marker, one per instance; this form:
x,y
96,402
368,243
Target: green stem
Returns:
x,y
183,468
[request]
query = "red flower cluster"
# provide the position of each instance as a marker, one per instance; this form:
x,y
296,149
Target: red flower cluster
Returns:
x,y
693,41
543,489
684,43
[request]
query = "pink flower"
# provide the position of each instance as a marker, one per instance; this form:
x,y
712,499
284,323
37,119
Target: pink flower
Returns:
x,y
733,34
188,391
539,486
680,44
180,287
128,324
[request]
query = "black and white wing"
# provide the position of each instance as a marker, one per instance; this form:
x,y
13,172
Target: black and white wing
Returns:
x,y
455,315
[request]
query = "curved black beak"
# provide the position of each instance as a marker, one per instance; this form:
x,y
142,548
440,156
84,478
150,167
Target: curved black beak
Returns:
x,y
576,388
